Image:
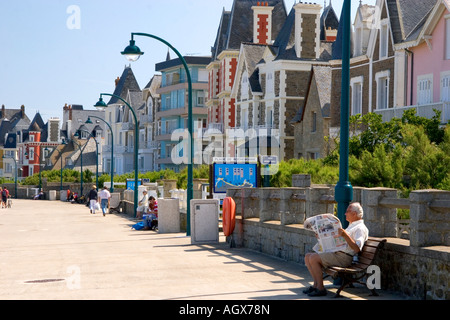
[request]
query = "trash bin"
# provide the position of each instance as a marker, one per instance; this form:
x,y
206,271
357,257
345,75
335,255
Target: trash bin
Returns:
x,y
52,195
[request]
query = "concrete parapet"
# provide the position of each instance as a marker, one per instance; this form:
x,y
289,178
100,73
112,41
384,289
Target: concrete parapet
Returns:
x,y
315,203
381,221
430,220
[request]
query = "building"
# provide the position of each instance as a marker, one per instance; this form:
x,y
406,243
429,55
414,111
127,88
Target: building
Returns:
x,y
149,148
272,80
13,124
34,144
257,22
423,63
172,114
121,119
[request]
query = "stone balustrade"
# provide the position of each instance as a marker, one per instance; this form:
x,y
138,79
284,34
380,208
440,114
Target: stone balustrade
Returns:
x,y
270,220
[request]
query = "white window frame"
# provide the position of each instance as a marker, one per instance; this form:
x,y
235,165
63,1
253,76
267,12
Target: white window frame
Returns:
x,y
31,153
244,117
382,76
425,89
270,83
358,41
384,39
244,86
357,90
269,117
445,86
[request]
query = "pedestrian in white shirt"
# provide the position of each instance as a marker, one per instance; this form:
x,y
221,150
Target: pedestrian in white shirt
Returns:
x,y
355,235
104,198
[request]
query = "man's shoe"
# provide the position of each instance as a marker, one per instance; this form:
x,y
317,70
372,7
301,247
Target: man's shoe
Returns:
x,y
309,290
318,293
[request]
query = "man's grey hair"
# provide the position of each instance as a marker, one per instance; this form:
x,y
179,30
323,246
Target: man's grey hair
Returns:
x,y
356,207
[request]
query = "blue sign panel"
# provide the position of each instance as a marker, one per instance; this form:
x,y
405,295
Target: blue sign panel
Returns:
x,y
130,184
242,175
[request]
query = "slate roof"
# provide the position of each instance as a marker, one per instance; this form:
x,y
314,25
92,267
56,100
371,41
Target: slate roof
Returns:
x,y
406,16
321,75
284,44
236,25
328,19
127,82
252,55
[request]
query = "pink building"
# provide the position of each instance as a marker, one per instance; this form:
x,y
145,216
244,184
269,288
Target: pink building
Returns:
x,y
424,58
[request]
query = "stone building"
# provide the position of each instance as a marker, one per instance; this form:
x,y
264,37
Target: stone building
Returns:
x,y
272,80
249,21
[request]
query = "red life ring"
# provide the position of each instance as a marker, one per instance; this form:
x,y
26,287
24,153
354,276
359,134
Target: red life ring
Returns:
x,y
228,216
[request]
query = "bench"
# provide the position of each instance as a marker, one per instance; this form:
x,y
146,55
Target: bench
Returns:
x,y
358,270
117,209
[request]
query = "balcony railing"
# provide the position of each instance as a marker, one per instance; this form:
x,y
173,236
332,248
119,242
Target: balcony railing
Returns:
x,y
145,119
128,126
425,110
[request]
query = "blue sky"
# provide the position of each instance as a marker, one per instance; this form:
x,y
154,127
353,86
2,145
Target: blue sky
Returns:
x,y
52,55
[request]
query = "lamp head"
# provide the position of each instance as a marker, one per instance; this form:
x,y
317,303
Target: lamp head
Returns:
x,y
89,121
132,52
101,105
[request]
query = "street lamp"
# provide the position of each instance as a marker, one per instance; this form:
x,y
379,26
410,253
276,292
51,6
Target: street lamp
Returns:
x,y
89,121
81,163
15,175
96,156
61,175
344,189
101,105
133,53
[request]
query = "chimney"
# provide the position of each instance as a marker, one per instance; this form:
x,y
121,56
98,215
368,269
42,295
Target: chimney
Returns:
x,y
262,23
307,30
53,130
3,112
117,81
22,111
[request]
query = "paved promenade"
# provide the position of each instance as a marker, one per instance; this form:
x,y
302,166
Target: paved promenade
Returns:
x,y
50,250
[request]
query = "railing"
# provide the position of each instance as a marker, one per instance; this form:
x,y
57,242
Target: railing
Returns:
x,y
425,110
128,126
145,119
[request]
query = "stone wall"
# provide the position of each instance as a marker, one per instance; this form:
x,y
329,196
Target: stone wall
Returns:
x,y
270,220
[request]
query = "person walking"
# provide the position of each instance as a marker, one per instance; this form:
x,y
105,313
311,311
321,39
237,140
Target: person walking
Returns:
x,y
93,196
104,198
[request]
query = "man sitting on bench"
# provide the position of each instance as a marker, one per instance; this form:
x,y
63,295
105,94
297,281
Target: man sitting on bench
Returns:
x,y
356,235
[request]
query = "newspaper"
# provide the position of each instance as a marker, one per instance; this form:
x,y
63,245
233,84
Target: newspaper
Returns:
x,y
326,226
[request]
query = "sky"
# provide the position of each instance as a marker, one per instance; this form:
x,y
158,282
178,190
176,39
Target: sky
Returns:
x,y
57,52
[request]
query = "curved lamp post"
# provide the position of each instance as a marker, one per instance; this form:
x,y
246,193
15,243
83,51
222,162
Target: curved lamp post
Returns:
x,y
89,121
101,105
15,175
96,156
61,157
81,163
133,53
344,189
